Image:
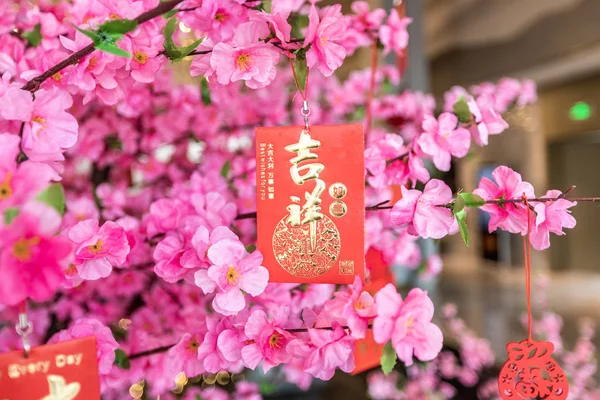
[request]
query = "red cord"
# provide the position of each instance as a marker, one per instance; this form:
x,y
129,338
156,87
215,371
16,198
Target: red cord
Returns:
x,y
527,262
371,88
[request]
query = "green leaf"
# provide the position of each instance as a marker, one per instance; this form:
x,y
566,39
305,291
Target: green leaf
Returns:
x,y
461,218
267,5
54,196
250,248
174,52
205,91
267,388
91,34
121,359
169,14
34,36
225,169
10,214
112,49
388,358
301,68
461,109
472,200
459,204
118,26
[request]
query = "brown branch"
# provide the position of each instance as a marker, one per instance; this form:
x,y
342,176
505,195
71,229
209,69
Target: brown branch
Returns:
x,y
34,84
162,349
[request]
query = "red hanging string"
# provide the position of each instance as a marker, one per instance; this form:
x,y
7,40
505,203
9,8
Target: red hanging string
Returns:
x,y
527,262
371,88
23,307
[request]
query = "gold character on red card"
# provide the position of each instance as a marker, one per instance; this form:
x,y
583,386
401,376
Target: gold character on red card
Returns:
x,y
306,243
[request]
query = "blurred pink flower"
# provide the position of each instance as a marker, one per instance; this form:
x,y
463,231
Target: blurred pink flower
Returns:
x,y
98,248
32,258
393,34
551,217
442,139
422,211
407,324
508,185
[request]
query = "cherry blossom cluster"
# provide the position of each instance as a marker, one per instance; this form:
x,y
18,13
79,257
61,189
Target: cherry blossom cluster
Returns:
x,y
126,199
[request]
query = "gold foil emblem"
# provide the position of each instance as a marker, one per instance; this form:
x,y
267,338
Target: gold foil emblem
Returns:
x,y
338,209
338,190
60,390
306,243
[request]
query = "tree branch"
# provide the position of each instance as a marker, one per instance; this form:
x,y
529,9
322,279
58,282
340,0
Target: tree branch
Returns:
x,y
34,84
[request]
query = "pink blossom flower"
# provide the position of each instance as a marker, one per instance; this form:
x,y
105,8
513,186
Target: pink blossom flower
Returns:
x,y
183,356
407,324
508,185
325,351
19,183
219,19
488,120
201,242
267,339
442,140
220,349
322,35
105,342
246,58
31,257
98,248
422,211
393,34
168,254
357,308
551,216
232,271
48,129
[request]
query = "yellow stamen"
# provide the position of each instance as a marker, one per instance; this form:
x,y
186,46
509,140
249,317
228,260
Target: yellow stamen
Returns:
x,y
114,16
5,189
323,41
233,274
220,16
244,61
93,62
57,77
410,323
140,56
96,248
38,119
193,345
22,248
359,305
71,270
276,340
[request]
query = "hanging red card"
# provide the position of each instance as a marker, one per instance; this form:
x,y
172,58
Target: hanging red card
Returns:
x,y
311,203
367,352
65,371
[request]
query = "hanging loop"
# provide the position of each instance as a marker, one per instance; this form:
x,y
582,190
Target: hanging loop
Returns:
x,y
24,329
305,112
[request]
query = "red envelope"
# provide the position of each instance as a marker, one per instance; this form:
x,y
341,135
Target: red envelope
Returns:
x,y
367,352
311,202
64,371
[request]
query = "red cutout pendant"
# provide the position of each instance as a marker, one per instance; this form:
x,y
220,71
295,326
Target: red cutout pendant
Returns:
x,y
530,373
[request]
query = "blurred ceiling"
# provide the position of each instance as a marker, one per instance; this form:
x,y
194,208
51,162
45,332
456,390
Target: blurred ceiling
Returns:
x,y
452,24
550,41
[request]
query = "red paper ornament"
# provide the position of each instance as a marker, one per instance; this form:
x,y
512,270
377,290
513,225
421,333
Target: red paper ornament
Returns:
x,y
531,373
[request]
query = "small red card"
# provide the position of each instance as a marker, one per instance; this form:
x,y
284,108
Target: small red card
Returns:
x,y
367,352
311,202
64,371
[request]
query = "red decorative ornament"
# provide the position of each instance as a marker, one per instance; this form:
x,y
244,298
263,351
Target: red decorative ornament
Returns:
x,y
531,373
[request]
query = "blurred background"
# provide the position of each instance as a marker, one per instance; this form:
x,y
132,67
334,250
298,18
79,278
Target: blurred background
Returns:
x,y
554,144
